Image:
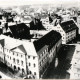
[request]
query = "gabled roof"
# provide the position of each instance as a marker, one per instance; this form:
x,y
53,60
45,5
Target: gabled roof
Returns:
x,y
9,42
16,45
20,49
68,26
20,31
51,37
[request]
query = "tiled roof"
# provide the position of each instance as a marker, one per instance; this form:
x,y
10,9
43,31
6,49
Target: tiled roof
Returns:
x,y
68,25
20,31
51,37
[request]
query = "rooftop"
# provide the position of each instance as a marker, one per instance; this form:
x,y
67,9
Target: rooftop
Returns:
x,y
68,26
51,37
20,31
18,45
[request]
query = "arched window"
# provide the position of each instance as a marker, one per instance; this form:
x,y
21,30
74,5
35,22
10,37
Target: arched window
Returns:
x,y
30,72
18,68
34,73
14,67
34,65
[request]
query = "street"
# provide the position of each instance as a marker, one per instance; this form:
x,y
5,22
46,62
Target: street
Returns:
x,y
64,57
4,76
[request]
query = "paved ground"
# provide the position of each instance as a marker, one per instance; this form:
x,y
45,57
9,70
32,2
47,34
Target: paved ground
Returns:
x,y
4,76
8,73
65,56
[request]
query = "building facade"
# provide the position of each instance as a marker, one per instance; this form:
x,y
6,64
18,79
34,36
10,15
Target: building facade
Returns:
x,y
67,29
75,64
30,58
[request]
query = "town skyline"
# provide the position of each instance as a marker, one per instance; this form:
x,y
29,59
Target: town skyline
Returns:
x,y
11,3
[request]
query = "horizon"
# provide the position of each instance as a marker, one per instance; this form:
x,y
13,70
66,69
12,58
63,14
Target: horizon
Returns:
x,y
56,3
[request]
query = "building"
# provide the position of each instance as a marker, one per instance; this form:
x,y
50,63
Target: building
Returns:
x,y
31,58
46,48
68,31
38,33
12,58
78,22
36,24
75,64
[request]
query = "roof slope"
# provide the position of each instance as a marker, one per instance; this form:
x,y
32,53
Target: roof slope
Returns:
x,y
68,25
51,37
20,31
20,49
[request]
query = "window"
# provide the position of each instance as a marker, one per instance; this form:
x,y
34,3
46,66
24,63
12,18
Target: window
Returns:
x,y
33,57
30,72
29,64
10,58
11,65
34,65
43,52
13,60
21,56
22,63
17,61
34,73
28,56
17,54
13,53
18,68
40,63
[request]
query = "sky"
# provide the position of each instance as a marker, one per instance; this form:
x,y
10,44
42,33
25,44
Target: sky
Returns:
x,y
6,3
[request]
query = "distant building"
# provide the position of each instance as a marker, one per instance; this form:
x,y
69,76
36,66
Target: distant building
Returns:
x,y
66,17
36,24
